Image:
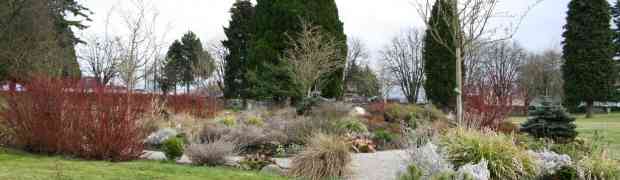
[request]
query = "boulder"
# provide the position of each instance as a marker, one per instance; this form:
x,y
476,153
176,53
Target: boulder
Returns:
x,y
358,112
273,169
157,138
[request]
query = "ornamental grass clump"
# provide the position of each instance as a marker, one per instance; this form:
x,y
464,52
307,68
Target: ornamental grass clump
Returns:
x,y
325,156
505,159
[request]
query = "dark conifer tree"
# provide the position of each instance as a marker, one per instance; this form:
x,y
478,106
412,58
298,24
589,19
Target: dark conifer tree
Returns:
x,y
239,34
588,53
269,76
550,121
440,61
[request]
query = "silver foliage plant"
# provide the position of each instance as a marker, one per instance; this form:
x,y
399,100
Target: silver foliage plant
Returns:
x,y
550,162
478,171
429,160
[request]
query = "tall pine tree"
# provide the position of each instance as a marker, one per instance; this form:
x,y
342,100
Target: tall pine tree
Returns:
x,y
239,33
588,53
192,55
440,61
269,76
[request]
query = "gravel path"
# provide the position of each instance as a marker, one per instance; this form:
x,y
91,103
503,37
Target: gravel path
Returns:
x,y
384,165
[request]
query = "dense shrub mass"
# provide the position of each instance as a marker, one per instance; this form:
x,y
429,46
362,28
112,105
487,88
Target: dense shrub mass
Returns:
x,y
173,148
57,116
211,154
505,159
325,156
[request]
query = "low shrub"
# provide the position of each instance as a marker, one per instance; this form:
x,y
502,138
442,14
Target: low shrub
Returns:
x,y
598,167
411,173
157,138
212,132
478,171
255,162
300,129
325,156
386,140
429,160
173,148
255,121
306,105
508,127
413,115
352,126
576,149
229,121
60,116
251,139
551,162
506,159
211,154
564,173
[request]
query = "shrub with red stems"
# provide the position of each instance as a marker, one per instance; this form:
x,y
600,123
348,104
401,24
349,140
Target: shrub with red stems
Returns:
x,y
58,116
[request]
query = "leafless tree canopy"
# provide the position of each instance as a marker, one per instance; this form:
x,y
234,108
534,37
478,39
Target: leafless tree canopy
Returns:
x,y
541,75
139,46
219,53
311,57
102,57
403,60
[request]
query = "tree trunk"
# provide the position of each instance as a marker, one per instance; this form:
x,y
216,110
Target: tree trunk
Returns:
x,y
12,86
459,86
589,109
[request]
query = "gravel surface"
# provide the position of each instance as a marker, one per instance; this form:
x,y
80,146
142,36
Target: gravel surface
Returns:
x,y
383,165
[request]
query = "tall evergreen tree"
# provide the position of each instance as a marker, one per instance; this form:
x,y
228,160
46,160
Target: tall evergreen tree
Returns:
x,y
36,37
588,53
239,33
172,68
192,55
440,61
269,76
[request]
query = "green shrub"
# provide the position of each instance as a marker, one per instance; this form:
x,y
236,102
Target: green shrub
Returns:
x,y
351,125
550,121
255,121
576,149
306,105
325,156
173,148
383,136
229,121
255,162
505,159
599,166
565,173
412,173
413,115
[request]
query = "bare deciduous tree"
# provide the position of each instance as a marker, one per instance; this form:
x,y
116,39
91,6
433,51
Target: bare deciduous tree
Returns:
x,y
140,44
219,53
471,26
541,75
403,60
311,57
491,92
102,56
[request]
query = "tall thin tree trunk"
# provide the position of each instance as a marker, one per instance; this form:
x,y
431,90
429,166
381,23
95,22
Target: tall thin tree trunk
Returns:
x,y
589,109
459,86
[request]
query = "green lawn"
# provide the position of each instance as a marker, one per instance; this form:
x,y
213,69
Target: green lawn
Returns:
x,y
22,166
607,125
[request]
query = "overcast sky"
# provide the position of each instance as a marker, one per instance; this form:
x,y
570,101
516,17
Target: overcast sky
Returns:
x,y
376,22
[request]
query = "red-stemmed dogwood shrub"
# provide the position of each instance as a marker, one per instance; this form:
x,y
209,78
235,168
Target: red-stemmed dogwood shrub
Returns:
x,y
64,117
